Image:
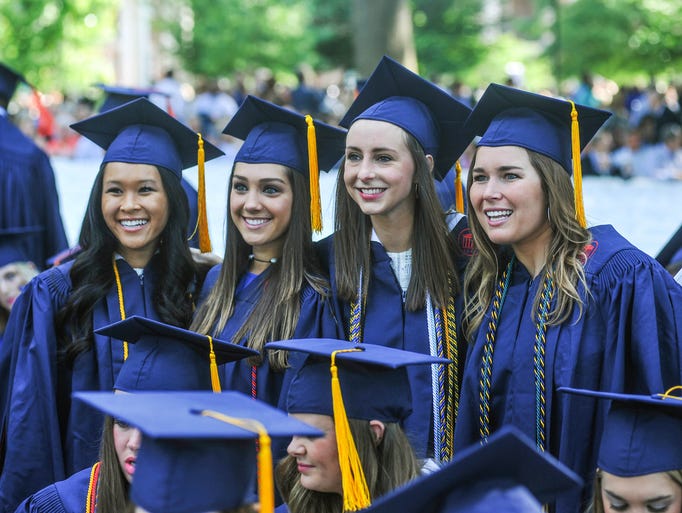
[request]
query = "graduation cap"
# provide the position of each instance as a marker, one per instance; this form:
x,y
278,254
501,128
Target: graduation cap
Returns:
x,y
359,381
276,135
116,96
433,117
9,80
198,450
558,129
505,474
170,358
642,433
12,247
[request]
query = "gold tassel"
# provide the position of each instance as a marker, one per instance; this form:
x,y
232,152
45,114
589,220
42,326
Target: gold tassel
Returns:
x,y
459,192
355,490
314,175
266,482
577,168
215,379
202,218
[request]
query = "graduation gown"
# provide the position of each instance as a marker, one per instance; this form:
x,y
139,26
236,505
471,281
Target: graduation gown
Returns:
x,y
48,436
28,194
627,340
387,322
315,321
68,496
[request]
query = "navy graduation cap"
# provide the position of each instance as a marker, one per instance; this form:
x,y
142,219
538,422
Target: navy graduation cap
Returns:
x,y
9,80
199,450
139,132
345,380
11,244
433,117
275,135
505,474
116,96
558,129
642,433
166,357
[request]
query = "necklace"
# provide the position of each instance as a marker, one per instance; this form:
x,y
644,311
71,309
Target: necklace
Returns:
x,y
270,261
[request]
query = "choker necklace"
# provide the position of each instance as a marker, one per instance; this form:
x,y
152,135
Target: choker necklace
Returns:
x,y
270,261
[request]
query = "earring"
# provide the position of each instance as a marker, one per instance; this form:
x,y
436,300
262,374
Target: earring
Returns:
x,y
416,190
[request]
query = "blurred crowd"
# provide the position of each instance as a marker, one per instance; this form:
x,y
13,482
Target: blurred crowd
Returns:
x,y
643,138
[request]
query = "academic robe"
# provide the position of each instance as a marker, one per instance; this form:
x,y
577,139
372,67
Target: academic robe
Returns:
x,y
28,194
315,321
626,340
49,437
192,201
387,322
68,496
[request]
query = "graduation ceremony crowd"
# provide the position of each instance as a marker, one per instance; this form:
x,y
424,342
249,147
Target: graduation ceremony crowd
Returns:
x,y
487,353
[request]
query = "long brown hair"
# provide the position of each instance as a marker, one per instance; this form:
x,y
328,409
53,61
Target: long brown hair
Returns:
x,y
433,250
387,465
597,505
112,488
277,311
566,250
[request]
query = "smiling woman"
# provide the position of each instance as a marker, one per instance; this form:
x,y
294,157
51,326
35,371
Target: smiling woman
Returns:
x,y
134,260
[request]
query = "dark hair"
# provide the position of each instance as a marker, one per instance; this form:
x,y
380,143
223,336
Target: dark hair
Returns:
x,y
112,485
433,249
277,311
92,274
387,465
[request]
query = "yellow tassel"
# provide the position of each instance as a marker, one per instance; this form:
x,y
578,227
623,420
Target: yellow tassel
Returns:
x,y
459,192
577,168
202,218
314,174
355,490
266,482
215,379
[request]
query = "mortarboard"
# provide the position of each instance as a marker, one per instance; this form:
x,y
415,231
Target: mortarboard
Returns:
x,y
433,117
506,116
170,358
115,96
505,474
9,79
344,380
641,434
140,132
275,135
198,450
11,244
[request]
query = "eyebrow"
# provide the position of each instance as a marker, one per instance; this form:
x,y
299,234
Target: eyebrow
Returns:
x,y
262,180
648,501
498,169
373,150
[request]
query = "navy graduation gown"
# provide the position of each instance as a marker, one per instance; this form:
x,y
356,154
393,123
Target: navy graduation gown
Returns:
x,y
386,322
48,436
315,321
68,496
627,340
28,194
191,194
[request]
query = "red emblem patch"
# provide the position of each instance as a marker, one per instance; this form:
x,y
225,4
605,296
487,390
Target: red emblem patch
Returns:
x,y
588,250
466,242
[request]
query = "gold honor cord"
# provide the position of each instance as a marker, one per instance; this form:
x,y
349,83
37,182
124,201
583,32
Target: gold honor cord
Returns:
x,y
121,305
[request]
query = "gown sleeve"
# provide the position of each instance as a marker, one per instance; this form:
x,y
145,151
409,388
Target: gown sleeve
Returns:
x,y
32,456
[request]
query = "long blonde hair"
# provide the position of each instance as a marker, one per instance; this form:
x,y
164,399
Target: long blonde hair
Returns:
x,y
565,256
275,315
387,465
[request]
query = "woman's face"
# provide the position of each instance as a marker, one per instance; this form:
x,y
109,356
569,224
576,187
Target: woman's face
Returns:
x,y
652,493
317,458
261,201
135,209
127,442
13,277
379,170
508,200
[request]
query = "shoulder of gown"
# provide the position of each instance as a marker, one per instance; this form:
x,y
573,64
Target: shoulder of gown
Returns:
x,y
66,496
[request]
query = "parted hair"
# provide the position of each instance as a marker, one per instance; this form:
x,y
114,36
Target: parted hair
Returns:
x,y
565,256
277,311
92,274
433,249
387,465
